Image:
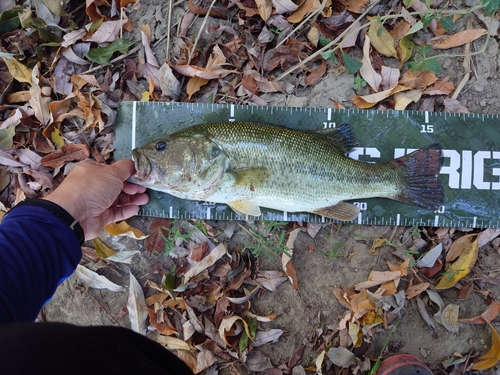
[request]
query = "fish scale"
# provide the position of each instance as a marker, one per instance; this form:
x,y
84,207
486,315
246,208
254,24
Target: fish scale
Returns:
x,y
470,142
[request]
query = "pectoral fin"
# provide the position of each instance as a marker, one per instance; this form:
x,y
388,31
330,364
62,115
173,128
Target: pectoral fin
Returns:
x,y
245,208
253,178
342,211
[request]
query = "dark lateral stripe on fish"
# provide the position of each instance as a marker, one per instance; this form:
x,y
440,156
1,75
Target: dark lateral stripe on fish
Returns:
x,y
418,172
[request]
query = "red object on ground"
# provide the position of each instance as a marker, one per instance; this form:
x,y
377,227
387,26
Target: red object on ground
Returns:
x,y
403,364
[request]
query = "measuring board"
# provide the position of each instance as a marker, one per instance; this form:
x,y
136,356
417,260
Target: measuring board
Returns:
x,y
470,175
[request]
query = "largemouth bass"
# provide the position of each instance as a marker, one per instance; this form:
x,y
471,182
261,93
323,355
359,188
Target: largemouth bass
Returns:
x,y
248,166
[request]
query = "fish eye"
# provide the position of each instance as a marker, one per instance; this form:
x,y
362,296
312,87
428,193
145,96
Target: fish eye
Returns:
x,y
160,146
214,152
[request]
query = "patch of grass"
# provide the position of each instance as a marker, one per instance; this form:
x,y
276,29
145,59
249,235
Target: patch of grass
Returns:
x,y
333,252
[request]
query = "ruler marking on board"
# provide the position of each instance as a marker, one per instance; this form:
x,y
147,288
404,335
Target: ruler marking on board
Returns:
x,y
470,175
134,118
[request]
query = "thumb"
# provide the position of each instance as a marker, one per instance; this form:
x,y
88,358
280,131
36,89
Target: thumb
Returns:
x,y
124,168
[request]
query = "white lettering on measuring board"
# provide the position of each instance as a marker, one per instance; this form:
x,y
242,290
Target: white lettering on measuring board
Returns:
x,y
465,169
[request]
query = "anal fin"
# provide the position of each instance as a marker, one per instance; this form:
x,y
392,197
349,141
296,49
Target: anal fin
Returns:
x,y
243,207
342,211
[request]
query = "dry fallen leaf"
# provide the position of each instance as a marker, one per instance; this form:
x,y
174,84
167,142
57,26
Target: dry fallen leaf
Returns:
x,y
101,249
367,72
381,39
227,324
403,99
96,281
487,316
368,101
492,356
461,267
459,246
69,152
418,80
136,306
458,39
123,229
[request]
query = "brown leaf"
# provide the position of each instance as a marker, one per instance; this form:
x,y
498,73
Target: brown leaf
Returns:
x,y
487,316
155,241
420,79
296,357
196,71
400,30
415,290
248,82
307,7
69,152
368,101
458,39
249,11
314,77
454,106
214,12
459,246
41,143
265,8
165,327
443,87
356,6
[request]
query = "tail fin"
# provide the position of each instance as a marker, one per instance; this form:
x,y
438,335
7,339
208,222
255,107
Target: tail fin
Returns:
x,y
418,172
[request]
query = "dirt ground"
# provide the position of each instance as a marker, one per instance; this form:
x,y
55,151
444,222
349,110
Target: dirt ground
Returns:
x,y
301,313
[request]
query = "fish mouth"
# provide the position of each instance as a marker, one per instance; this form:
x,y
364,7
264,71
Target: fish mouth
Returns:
x,y
142,165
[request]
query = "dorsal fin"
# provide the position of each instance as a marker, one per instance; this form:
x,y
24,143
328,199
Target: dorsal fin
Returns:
x,y
342,138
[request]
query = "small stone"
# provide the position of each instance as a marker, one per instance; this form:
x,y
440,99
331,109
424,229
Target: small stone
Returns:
x,y
483,103
423,352
289,88
298,370
297,101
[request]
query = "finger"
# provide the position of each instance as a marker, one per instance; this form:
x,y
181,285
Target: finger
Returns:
x,y
136,199
124,168
122,213
132,189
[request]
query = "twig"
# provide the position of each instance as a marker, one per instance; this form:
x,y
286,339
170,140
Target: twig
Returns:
x,y
466,66
169,25
332,43
200,32
312,14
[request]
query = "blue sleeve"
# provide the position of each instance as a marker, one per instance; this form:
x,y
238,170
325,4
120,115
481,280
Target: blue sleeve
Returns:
x,y
37,252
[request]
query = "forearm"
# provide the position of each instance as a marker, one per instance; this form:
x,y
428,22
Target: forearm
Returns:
x,y
37,252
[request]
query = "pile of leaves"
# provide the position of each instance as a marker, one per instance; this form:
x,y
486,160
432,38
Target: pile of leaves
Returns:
x,y
202,307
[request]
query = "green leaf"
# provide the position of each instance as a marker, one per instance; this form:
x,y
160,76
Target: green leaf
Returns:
x,y
170,280
405,48
431,64
330,54
492,6
427,19
323,41
447,23
6,137
351,64
102,55
9,20
416,27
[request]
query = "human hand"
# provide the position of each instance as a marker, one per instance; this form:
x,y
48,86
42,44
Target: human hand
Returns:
x,y
97,195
